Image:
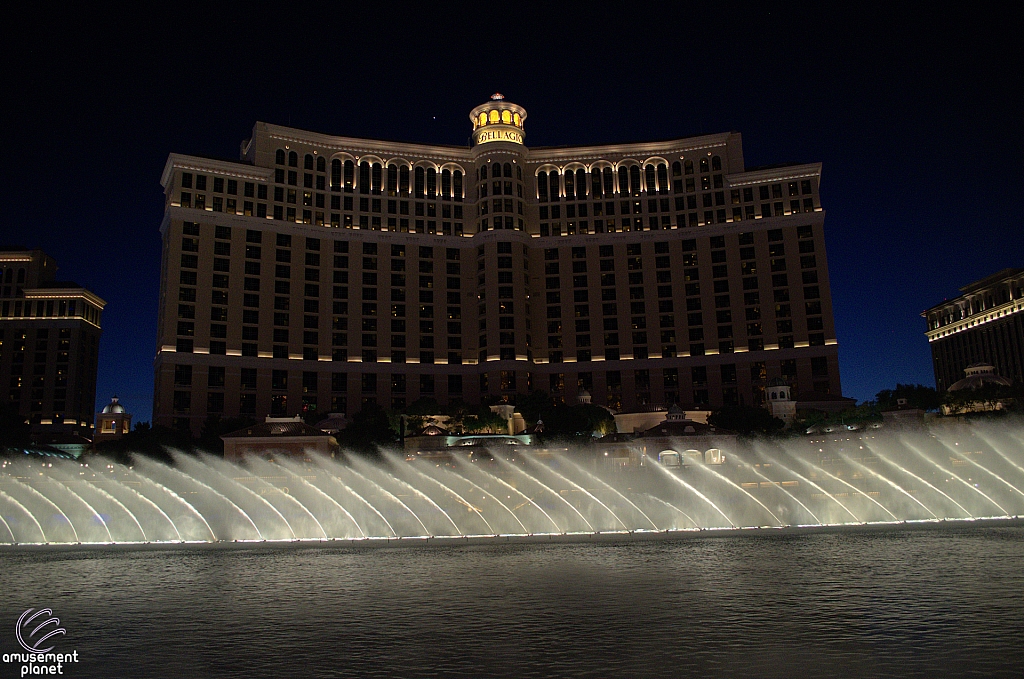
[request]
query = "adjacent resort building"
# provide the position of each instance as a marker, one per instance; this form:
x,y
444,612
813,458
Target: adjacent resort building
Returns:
x,y
984,325
326,272
49,343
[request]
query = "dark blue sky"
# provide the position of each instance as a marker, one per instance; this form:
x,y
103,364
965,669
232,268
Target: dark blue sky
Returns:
x,y
914,115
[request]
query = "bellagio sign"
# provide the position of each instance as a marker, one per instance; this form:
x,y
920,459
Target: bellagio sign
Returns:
x,y
485,136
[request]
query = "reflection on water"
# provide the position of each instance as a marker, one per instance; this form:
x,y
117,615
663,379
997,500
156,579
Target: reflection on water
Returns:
x,y
888,602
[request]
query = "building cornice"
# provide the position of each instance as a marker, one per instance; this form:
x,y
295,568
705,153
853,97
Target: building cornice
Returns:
x,y
366,146
978,289
981,318
66,293
639,150
221,167
775,174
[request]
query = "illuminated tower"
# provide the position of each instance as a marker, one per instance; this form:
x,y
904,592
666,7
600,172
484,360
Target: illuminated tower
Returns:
x,y
498,121
503,250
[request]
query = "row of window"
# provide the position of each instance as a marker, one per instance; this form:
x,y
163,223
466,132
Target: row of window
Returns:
x,y
398,386
314,382
628,180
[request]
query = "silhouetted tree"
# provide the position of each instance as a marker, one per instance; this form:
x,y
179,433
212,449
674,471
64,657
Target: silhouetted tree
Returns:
x,y
424,406
989,397
576,423
746,420
368,429
153,442
917,395
216,426
14,429
536,406
484,421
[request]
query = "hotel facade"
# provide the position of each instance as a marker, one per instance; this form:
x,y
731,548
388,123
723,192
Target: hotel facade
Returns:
x,y
49,343
324,272
985,324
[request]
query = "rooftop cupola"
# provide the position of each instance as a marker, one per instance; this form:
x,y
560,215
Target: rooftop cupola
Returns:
x,y
498,120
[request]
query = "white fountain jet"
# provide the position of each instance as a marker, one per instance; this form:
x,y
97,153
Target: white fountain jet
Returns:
x,y
693,490
906,471
324,466
581,489
811,483
23,508
954,475
739,488
447,489
527,500
515,468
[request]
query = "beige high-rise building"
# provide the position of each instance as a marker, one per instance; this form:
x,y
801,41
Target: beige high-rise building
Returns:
x,y
327,272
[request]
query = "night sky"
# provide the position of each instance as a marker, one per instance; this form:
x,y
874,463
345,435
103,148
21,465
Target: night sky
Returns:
x,y
914,115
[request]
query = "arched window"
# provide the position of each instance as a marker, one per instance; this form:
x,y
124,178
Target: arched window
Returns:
x,y
446,184
378,179
553,184
350,175
494,116
677,169
420,182
392,180
662,179
506,117
623,181
570,185
609,182
517,120
595,183
483,119
716,163
703,164
634,180
293,159
321,164
507,170
280,157
542,187
307,162
689,166
336,175
431,182
581,184
364,177
457,184
483,172
519,172
496,170
403,180
652,186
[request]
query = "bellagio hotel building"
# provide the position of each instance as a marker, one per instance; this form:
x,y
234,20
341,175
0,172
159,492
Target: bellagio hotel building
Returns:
x,y
324,272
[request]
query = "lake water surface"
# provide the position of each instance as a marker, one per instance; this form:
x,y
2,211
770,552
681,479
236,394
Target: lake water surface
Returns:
x,y
941,601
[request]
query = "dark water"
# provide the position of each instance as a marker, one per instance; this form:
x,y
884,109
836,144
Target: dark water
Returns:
x,y
896,602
